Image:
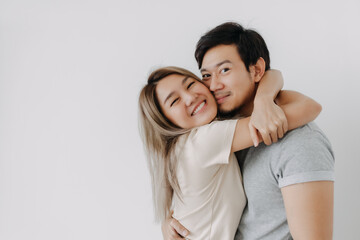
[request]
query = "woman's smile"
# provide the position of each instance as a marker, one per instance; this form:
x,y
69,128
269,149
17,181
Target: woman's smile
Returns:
x,y
198,108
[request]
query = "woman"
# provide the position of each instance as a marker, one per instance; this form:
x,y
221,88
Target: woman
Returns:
x,y
191,155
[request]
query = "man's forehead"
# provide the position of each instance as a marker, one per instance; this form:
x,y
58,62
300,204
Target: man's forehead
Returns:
x,y
219,55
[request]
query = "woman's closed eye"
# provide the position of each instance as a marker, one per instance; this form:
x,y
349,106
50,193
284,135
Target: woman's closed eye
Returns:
x,y
190,84
173,102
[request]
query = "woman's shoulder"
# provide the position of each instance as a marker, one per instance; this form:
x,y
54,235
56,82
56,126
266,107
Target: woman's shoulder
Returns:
x,y
207,145
215,127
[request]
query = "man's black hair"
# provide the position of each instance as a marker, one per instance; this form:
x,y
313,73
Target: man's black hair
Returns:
x,y
250,45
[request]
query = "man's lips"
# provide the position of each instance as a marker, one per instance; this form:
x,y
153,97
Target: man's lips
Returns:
x,y
221,98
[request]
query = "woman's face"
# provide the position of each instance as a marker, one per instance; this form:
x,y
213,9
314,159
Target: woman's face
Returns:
x,y
185,101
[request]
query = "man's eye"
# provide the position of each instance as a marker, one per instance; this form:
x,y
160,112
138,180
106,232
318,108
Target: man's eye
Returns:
x,y
205,76
224,70
190,85
173,102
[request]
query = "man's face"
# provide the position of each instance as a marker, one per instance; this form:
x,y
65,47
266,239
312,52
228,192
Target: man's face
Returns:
x,y
225,74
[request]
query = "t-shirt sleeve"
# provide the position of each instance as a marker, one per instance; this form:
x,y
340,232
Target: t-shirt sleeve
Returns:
x,y
211,144
305,156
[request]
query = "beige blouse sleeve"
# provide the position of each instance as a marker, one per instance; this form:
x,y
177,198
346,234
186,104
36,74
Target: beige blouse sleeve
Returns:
x,y
211,144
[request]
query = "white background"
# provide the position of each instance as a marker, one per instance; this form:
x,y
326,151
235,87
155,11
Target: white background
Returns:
x,y
71,160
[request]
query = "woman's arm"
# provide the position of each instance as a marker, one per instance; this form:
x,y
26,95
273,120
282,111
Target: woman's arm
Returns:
x,y
298,108
267,118
270,85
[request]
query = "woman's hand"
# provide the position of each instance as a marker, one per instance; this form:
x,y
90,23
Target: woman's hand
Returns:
x,y
267,121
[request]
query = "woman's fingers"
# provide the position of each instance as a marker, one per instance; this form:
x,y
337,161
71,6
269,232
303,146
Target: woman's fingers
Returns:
x,y
280,131
253,134
265,136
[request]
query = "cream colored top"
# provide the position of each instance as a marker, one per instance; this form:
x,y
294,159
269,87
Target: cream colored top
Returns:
x,y
209,177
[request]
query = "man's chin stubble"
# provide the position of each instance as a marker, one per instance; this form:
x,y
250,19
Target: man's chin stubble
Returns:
x,y
229,114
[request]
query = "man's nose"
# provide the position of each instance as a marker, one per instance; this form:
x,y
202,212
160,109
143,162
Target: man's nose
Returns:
x,y
215,84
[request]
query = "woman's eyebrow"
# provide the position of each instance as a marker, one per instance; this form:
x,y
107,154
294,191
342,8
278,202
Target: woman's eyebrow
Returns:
x,y
184,80
169,96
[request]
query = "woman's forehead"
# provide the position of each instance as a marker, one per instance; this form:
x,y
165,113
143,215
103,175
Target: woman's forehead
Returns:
x,y
169,85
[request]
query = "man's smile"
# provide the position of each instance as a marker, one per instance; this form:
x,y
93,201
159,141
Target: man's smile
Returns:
x,y
220,98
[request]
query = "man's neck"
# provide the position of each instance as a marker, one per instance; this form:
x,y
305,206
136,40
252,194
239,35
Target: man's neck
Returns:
x,y
247,109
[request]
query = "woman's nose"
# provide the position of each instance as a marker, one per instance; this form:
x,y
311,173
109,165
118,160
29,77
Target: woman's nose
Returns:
x,y
189,98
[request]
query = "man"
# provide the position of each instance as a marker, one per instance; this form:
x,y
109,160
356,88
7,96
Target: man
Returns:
x,y
289,185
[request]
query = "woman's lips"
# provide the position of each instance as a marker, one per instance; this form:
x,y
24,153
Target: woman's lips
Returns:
x,y
200,106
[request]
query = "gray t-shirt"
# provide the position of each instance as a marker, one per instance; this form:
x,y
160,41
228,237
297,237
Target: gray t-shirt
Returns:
x,y
302,155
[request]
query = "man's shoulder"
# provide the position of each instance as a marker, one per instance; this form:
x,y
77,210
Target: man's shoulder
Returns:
x,y
302,155
309,128
308,136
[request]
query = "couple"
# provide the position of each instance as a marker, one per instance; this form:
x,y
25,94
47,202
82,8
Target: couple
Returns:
x,y
198,189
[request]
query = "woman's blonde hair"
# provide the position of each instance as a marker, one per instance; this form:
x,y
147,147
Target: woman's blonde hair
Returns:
x,y
159,137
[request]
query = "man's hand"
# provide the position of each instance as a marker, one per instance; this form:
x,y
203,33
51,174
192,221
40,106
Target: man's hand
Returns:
x,y
172,229
267,119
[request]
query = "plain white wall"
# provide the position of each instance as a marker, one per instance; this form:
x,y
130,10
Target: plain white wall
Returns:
x,y
71,160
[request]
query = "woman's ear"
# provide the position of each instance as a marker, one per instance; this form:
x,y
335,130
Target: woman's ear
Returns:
x,y
258,69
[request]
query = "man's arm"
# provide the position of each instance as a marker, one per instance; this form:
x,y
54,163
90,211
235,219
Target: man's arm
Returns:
x,y
308,202
309,209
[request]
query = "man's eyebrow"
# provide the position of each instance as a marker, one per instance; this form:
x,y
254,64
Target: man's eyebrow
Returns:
x,y
172,93
216,65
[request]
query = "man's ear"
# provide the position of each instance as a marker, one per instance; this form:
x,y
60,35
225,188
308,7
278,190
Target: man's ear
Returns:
x,y
258,69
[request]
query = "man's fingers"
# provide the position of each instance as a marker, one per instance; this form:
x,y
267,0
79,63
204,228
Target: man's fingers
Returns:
x,y
253,134
178,238
171,229
179,228
175,236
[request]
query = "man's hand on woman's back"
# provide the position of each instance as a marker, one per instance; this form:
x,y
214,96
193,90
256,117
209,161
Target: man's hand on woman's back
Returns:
x,y
172,229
